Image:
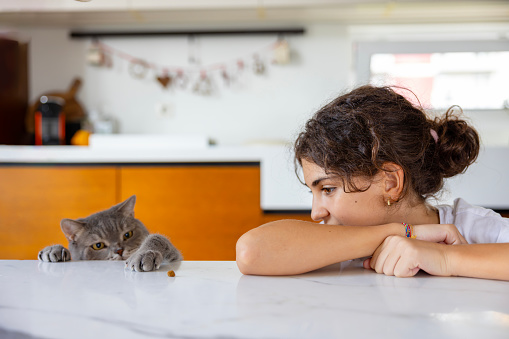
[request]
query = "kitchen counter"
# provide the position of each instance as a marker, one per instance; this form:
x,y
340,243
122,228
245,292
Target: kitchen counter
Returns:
x,y
485,183
207,299
280,188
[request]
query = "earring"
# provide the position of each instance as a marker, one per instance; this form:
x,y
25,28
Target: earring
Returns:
x,y
389,202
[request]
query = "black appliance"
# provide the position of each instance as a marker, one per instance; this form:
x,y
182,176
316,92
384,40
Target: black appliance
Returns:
x,y
50,122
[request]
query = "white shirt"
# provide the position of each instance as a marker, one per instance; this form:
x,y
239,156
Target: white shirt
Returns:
x,y
476,224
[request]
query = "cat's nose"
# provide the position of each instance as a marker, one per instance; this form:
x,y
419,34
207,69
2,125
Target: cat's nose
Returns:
x,y
119,251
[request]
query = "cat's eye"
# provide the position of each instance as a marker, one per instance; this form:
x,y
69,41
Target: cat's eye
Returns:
x,y
98,246
127,235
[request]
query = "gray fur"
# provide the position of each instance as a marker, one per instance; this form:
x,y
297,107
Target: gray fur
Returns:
x,y
112,228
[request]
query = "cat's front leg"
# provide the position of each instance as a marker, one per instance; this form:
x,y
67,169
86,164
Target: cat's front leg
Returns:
x,y
54,253
151,254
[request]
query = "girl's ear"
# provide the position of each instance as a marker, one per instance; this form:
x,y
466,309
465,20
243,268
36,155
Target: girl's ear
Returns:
x,y
71,228
394,179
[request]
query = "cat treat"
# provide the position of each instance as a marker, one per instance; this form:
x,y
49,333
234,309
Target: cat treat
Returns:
x,y
171,273
113,234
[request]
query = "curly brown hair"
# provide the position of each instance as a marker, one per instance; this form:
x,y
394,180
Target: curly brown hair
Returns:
x,y
356,133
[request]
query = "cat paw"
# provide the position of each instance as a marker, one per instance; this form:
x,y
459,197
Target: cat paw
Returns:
x,y
145,261
54,253
174,255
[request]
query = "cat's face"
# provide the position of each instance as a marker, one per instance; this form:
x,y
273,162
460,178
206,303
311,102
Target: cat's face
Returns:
x,y
113,234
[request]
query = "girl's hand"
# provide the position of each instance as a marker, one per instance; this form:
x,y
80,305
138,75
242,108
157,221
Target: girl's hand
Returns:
x,y
442,233
404,257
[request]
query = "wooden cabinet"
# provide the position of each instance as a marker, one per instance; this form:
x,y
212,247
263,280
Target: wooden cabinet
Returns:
x,y
203,209
34,199
13,91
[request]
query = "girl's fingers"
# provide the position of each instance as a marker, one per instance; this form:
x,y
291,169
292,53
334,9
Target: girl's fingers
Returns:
x,y
374,258
446,233
463,240
391,262
405,267
391,255
404,257
367,263
392,258
384,256
454,237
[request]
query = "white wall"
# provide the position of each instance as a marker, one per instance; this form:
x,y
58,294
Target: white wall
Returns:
x,y
54,59
271,107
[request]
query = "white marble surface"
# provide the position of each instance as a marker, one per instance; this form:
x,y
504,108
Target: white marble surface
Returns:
x,y
99,299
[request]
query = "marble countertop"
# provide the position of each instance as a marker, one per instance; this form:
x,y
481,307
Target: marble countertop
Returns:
x,y
88,154
207,299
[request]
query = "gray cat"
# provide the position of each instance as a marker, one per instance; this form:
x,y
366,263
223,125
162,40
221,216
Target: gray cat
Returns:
x,y
113,234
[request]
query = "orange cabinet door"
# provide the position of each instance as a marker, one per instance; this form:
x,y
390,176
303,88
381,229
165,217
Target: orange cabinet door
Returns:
x,y
33,200
203,209
268,217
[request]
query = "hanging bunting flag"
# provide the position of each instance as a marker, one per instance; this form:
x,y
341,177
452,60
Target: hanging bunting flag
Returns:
x,y
204,85
96,55
100,55
281,52
181,79
226,77
258,65
165,79
138,68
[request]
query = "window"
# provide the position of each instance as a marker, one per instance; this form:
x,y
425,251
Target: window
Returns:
x,y
474,75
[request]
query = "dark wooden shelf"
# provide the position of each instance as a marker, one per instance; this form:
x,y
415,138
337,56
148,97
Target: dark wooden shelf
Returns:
x,y
125,34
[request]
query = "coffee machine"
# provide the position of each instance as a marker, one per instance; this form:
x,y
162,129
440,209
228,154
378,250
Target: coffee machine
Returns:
x,y
50,121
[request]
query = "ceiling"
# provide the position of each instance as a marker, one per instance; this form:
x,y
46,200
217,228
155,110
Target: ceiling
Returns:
x,y
139,13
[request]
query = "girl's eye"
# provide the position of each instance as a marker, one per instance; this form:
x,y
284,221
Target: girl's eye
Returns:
x,y
328,190
98,246
127,235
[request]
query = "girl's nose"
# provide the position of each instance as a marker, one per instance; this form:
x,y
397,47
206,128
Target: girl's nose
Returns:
x,y
318,212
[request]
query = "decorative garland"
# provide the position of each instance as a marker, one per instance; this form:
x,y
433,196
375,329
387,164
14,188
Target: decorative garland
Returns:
x,y
101,55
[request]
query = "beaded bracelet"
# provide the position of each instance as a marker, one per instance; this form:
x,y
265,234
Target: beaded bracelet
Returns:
x,y
409,230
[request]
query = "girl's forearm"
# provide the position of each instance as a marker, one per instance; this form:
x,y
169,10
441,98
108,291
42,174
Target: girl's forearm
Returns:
x,y
489,261
292,247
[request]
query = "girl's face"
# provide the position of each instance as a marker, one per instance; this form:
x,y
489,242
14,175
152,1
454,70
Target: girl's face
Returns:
x,y
336,207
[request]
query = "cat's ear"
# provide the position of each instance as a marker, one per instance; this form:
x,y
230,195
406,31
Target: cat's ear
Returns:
x,y
71,228
127,207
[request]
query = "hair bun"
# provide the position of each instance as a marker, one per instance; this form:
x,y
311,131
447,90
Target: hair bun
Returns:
x,y
458,143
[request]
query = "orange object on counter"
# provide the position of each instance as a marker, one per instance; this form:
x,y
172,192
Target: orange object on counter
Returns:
x,y
80,138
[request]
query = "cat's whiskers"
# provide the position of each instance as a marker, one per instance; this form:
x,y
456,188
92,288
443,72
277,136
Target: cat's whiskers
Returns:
x,y
117,257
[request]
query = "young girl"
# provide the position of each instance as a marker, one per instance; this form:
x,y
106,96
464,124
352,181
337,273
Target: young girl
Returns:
x,y
371,160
